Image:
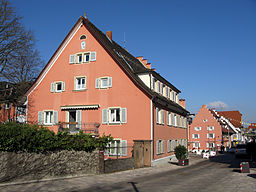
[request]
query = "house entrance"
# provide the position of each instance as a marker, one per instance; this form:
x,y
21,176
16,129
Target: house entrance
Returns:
x,y
72,120
142,153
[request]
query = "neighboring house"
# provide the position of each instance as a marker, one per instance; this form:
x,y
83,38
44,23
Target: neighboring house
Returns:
x,y
11,106
235,118
251,131
209,130
92,81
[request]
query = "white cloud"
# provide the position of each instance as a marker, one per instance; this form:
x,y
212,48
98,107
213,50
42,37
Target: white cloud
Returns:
x,y
219,105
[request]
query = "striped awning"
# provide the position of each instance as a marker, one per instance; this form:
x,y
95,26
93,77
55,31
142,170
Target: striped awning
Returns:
x,y
75,107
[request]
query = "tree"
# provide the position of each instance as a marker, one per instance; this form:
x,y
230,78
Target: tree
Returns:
x,y
19,60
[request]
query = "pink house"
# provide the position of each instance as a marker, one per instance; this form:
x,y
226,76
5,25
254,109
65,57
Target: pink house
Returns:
x,y
209,130
92,83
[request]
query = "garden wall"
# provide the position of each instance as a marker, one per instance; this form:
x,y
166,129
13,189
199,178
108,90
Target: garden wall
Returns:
x,y
32,166
114,165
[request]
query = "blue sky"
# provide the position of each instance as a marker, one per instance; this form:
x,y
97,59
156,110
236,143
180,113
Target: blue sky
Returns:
x,y
206,48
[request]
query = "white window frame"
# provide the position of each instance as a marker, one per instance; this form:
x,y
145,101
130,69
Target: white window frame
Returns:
x,y
196,145
160,116
195,136
84,57
208,135
115,110
210,128
197,128
48,120
7,105
205,120
99,82
208,145
79,87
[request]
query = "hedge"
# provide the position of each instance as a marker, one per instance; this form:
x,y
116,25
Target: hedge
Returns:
x,y
32,138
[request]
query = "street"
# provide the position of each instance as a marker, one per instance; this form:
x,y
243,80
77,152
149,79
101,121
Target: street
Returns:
x,y
217,174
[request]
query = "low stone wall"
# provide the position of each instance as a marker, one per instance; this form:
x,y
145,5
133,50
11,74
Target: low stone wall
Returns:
x,y
32,166
114,165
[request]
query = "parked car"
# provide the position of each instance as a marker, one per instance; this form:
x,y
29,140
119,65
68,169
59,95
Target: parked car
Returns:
x,y
232,150
240,149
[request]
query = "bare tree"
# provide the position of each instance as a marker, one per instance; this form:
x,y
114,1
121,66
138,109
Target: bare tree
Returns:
x,y
13,35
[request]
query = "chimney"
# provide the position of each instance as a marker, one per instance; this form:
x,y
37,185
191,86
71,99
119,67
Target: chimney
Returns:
x,y
109,34
144,62
183,103
203,106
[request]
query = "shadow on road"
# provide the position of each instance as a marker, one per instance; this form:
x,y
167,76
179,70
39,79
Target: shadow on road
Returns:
x,y
252,175
134,186
232,160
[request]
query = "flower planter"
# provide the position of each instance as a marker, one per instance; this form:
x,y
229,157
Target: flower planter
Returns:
x,y
183,162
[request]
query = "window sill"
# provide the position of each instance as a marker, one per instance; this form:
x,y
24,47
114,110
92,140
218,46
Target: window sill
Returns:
x,y
79,90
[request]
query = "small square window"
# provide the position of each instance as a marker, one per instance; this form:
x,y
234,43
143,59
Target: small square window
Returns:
x,y
104,82
205,120
58,87
80,83
114,115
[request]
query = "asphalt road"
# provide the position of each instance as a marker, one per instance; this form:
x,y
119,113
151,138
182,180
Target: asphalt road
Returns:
x,y
218,174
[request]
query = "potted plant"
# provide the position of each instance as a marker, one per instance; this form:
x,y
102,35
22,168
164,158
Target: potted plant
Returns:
x,y
181,154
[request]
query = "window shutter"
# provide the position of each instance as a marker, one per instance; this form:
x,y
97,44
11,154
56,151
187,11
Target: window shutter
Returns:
x,y
67,118
162,116
97,83
157,147
124,148
124,115
168,122
63,86
72,59
110,82
163,146
104,116
79,118
55,117
93,56
52,87
40,117
157,115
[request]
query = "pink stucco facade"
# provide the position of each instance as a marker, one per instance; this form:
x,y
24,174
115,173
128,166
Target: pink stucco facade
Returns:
x,y
132,102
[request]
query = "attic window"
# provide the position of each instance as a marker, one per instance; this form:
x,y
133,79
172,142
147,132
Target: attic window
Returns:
x,y
82,37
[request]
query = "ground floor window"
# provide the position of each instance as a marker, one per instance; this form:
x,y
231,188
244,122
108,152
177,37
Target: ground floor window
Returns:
x,y
117,147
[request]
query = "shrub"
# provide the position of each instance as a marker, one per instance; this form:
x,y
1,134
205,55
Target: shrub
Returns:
x,y
180,152
32,138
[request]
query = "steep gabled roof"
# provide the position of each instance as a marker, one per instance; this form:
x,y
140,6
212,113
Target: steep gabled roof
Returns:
x,y
127,62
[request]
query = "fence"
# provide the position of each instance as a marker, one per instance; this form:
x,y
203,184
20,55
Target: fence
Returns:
x,y
118,151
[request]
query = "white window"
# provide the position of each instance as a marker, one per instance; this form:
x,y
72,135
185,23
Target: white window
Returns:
x,y
159,87
169,118
114,115
48,117
116,147
164,91
210,128
79,58
175,120
160,116
58,86
196,145
210,135
205,120
86,57
103,82
80,83
195,136
7,106
160,147
174,96
210,145
197,128
82,57
169,146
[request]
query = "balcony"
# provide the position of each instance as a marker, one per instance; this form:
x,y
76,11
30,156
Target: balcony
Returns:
x,y
75,127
